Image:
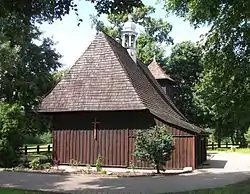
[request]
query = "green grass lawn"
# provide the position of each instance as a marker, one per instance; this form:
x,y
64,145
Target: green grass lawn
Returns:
x,y
20,191
238,188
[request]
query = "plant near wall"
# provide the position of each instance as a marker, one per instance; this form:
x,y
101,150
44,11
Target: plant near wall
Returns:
x,y
154,145
99,163
11,134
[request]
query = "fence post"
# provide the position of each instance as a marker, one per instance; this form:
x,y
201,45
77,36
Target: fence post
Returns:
x,y
37,149
226,144
25,150
49,148
212,145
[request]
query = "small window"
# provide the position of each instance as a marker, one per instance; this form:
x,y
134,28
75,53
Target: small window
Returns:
x,y
126,40
132,41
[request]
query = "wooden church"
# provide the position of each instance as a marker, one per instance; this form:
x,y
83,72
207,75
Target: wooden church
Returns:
x,y
106,96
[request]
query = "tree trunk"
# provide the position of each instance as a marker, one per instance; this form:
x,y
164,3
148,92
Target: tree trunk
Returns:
x,y
157,168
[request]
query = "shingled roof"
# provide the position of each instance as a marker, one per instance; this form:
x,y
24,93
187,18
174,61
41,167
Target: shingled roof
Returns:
x,y
157,71
105,78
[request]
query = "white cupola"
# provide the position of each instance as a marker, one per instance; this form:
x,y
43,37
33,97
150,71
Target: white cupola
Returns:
x,y
129,36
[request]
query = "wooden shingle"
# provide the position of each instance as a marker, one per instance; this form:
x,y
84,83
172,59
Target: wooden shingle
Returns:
x,y
157,71
105,78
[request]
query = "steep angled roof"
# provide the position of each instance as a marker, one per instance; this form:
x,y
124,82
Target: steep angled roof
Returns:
x,y
106,78
157,71
97,81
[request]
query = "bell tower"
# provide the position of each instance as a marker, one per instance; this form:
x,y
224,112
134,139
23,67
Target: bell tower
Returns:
x,y
129,36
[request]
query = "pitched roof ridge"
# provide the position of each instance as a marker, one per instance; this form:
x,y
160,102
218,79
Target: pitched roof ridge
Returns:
x,y
158,88
63,77
154,85
122,65
163,73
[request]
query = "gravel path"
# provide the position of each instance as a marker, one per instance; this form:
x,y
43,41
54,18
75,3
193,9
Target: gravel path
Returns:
x,y
224,168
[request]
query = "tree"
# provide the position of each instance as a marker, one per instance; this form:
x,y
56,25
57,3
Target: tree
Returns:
x,y
18,17
151,41
11,133
223,92
185,66
154,145
26,75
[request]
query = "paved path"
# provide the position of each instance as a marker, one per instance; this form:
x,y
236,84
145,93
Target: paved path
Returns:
x,y
224,168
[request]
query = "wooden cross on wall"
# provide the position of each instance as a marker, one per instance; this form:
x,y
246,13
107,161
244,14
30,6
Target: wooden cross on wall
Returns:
x,y
94,128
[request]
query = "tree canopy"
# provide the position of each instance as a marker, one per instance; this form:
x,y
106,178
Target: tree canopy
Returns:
x,y
185,67
151,41
19,17
223,92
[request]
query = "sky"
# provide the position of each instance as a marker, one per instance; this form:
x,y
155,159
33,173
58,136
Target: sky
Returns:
x,y
72,40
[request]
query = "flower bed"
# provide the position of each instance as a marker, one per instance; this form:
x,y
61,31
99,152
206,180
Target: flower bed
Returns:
x,y
104,173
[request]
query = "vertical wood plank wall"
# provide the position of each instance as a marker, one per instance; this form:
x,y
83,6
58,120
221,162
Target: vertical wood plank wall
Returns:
x,y
116,148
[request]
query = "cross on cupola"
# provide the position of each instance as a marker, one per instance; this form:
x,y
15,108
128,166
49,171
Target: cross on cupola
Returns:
x,y
129,36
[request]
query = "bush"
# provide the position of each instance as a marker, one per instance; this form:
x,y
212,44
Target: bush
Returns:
x,y
38,164
154,145
35,164
11,134
99,164
44,138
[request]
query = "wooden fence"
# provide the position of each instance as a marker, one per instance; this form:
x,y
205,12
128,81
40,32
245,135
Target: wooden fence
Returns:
x,y
38,149
214,146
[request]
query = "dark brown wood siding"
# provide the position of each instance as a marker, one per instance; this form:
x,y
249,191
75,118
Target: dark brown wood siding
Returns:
x,y
81,146
73,138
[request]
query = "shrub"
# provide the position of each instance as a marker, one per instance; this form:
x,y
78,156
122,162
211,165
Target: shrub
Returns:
x,y
39,164
11,134
46,138
35,164
154,145
99,164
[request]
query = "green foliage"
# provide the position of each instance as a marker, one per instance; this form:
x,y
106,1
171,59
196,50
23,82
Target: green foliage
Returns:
x,y
103,171
11,133
154,145
38,164
224,91
46,137
98,164
35,164
185,67
224,94
247,135
17,18
26,75
151,40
